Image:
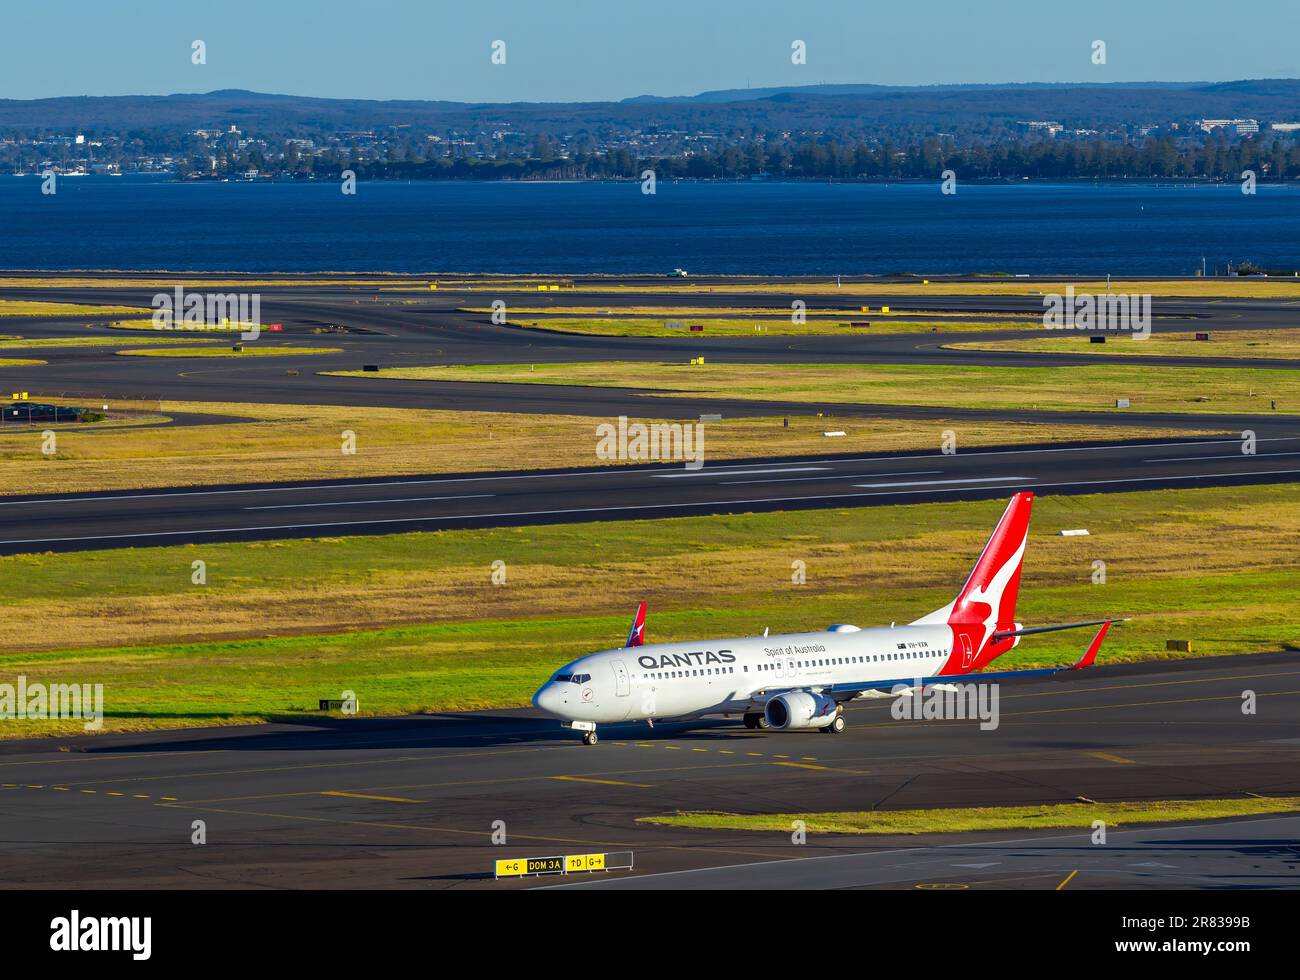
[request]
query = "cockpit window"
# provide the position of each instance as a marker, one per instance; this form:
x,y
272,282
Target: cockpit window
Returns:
x,y
572,678
563,678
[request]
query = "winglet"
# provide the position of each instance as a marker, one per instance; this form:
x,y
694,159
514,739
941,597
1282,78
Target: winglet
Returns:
x,y
636,635
1090,654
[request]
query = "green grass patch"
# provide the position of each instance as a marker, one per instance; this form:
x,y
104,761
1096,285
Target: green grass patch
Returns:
x,y
966,819
1150,388
412,622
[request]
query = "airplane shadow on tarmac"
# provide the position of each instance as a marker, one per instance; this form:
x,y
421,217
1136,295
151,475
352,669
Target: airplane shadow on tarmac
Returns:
x,y
444,730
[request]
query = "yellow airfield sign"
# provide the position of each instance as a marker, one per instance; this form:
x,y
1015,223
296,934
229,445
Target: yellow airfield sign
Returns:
x,y
563,864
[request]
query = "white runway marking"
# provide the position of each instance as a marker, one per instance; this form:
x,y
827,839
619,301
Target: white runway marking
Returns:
x,y
1202,459
836,476
936,483
677,474
377,500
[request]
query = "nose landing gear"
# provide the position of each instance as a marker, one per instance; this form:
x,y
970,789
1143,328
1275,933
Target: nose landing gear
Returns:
x,y
588,729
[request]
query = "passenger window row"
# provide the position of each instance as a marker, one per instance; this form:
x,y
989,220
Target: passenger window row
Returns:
x,y
802,664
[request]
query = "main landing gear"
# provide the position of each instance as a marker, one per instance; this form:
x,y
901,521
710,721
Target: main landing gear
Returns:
x,y
590,738
836,727
755,719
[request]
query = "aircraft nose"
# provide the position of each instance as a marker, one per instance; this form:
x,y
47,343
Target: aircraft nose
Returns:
x,y
548,698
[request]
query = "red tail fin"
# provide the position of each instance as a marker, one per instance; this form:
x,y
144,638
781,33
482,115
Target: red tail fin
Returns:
x,y
987,602
636,635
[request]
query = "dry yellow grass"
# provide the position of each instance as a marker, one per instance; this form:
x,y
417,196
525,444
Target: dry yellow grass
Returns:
x,y
771,326
200,281
1232,288
86,340
291,442
23,307
1222,343
256,350
1263,288
670,312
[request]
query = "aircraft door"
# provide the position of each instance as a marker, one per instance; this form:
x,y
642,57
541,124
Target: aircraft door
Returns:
x,y
621,686
967,654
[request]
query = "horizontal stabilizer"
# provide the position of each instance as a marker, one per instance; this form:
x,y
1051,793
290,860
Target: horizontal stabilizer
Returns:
x,y
1007,634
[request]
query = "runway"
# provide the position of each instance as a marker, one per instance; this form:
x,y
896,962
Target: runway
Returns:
x,y
412,802
380,506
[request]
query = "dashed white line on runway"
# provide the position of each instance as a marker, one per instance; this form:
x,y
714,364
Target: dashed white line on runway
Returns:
x,y
376,500
837,476
937,483
1253,457
677,474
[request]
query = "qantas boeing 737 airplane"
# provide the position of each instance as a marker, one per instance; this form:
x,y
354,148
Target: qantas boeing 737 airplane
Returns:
x,y
801,680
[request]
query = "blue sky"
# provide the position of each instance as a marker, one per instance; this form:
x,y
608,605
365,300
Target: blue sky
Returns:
x,y
574,50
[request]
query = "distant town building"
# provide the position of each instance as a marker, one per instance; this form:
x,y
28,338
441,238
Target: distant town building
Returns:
x,y
1043,125
1242,126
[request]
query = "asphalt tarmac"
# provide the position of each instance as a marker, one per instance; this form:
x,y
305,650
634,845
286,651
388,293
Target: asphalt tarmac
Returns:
x,y
417,327
382,506
411,802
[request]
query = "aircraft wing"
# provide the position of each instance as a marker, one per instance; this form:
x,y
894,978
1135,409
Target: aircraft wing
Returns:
x,y
849,690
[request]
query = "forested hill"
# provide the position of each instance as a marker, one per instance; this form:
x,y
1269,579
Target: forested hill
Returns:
x,y
851,109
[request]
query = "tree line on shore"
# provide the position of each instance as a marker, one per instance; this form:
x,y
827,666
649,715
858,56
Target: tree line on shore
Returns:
x,y
1211,159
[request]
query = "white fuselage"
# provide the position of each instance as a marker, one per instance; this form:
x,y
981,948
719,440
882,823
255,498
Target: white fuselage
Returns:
x,y
732,676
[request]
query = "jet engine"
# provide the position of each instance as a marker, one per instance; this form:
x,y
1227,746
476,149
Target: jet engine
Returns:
x,y
799,709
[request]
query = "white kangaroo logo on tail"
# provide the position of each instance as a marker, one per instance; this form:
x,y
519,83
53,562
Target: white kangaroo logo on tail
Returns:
x,y
991,594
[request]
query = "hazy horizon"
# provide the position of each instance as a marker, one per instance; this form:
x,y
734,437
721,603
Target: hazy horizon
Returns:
x,y
589,52
1150,82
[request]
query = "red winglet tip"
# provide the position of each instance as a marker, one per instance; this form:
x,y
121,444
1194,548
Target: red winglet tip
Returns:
x,y
1090,654
636,635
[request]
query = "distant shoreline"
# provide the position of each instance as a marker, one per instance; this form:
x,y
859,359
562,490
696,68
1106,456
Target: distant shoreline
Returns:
x,y
163,177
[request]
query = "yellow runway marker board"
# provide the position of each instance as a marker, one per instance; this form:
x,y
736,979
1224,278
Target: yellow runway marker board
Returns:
x,y
584,862
566,864
530,866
